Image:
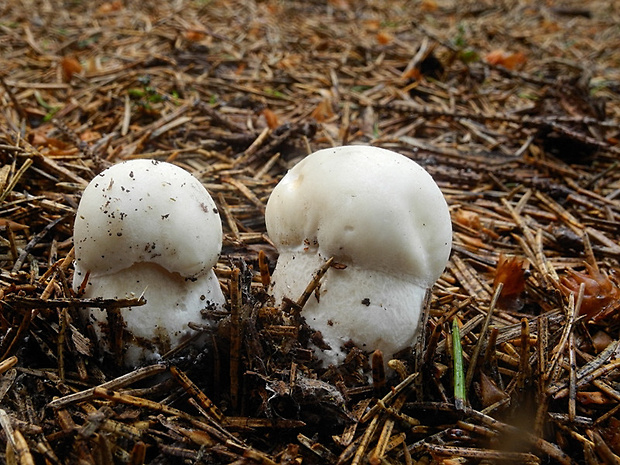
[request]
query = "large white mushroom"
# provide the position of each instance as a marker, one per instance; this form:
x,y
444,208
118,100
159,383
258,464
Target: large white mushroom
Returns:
x,y
380,214
148,228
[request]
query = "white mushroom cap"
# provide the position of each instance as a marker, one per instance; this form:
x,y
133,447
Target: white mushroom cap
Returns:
x,y
377,212
147,211
149,227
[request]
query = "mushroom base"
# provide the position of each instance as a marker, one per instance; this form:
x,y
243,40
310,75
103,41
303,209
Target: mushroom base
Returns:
x,y
374,309
151,330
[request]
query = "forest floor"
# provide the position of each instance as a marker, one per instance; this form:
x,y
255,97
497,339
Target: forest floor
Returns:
x,y
513,107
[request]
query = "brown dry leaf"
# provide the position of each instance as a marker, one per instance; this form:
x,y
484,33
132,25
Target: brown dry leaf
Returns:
x,y
110,7
271,118
70,66
194,36
39,139
428,6
600,340
340,4
413,73
372,25
240,69
89,135
490,393
384,38
601,295
550,26
323,111
511,272
468,219
507,60
289,61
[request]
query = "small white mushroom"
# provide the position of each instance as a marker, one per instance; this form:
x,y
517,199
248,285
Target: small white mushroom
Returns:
x,y
380,214
148,227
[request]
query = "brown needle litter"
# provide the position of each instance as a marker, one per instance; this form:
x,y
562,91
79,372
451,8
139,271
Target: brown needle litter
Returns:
x,y
520,135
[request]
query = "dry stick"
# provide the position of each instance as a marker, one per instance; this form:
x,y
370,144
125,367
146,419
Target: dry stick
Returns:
x,y
12,244
538,260
490,357
389,396
257,456
572,376
141,402
560,390
246,192
606,416
162,408
554,368
22,449
370,431
251,150
16,440
542,331
556,208
603,449
377,455
378,372
591,377
266,167
7,364
195,391
542,259
394,442
235,337
319,449
484,454
23,327
138,453
396,413
524,356
433,340
35,302
7,427
263,267
129,378
475,354
60,345
230,219
18,108
34,241
546,447
607,389
64,266
522,120
15,179
305,295
348,435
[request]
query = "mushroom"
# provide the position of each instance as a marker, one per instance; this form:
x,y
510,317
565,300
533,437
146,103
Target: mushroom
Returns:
x,y
148,228
380,215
